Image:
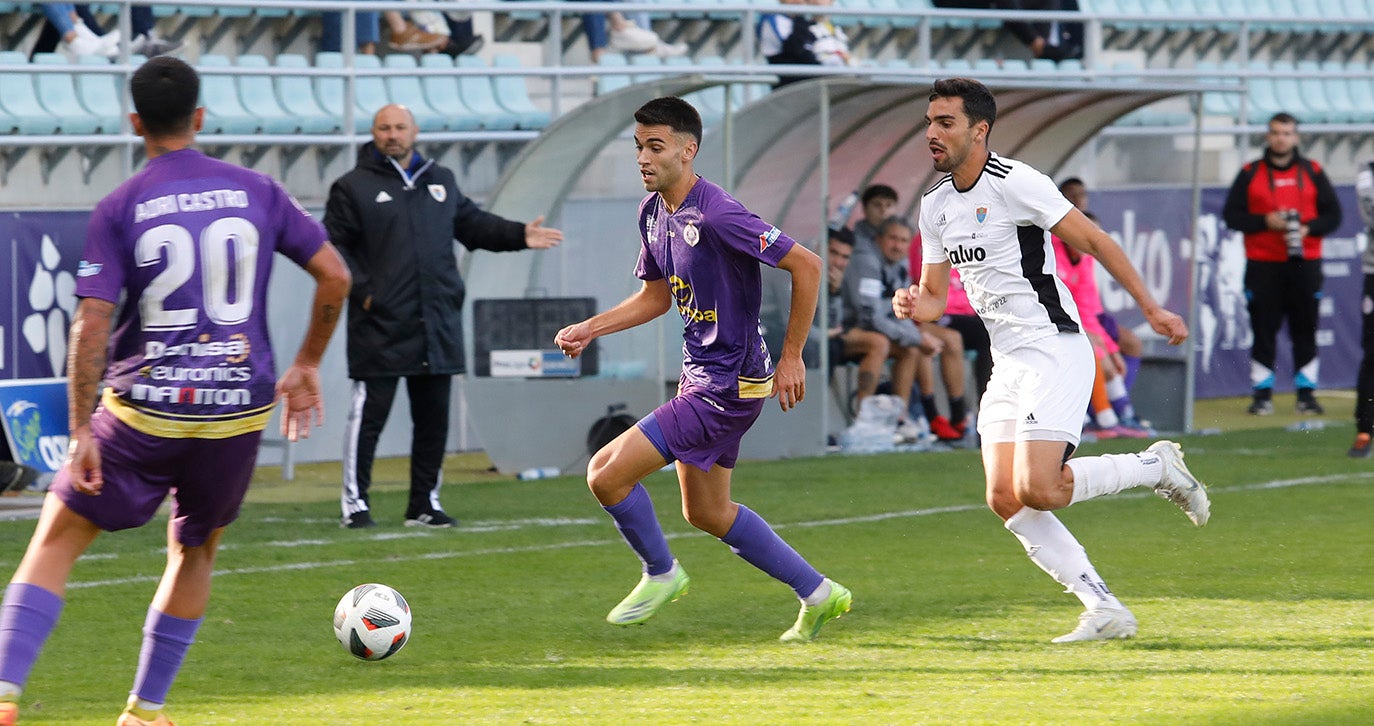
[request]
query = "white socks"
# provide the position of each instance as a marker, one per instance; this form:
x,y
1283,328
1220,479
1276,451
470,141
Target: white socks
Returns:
x,y
1051,546
819,595
1097,476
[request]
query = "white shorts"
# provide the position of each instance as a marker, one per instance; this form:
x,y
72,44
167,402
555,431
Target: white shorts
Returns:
x,y
1039,392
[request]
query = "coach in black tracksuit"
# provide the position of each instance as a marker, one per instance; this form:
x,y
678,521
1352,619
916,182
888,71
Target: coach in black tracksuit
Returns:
x,y
394,218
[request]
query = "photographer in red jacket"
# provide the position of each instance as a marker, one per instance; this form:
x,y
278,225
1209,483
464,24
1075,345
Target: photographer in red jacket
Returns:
x,y
1284,204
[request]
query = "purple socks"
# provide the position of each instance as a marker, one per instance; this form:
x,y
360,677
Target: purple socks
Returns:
x,y
27,616
756,543
165,641
634,517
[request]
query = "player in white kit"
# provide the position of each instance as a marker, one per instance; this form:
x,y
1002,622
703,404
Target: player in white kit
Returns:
x,y
988,217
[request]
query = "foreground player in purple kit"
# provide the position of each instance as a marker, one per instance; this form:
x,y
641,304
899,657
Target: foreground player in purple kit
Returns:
x,y
190,380
701,251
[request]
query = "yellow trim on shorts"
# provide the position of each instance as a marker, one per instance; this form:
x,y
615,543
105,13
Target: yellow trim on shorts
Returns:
x,y
189,427
755,387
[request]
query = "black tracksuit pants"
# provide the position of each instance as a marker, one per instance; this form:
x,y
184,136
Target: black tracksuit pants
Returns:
x,y
1364,386
1279,291
429,407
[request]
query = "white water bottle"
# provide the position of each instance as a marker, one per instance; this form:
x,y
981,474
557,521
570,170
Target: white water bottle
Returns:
x,y
538,472
842,212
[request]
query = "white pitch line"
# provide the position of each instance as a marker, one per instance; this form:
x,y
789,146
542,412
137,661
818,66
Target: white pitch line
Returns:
x,y
298,566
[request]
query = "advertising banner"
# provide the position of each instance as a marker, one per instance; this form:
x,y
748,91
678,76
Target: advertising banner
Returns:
x,y
1152,226
34,413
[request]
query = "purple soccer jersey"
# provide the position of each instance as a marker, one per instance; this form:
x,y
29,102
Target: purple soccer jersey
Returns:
x,y
188,243
709,251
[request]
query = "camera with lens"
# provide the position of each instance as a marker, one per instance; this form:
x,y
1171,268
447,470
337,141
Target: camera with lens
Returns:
x,y
1292,232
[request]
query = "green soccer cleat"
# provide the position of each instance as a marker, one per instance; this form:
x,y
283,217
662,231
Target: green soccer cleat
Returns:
x,y
812,617
648,597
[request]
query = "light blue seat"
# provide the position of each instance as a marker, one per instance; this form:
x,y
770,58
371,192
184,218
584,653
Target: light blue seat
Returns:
x,y
958,66
403,87
297,97
224,112
710,102
479,95
1314,96
897,21
1288,89
57,93
1263,100
370,92
20,109
846,21
612,80
1361,90
441,92
987,66
260,98
514,95
99,93
329,91
650,67
1218,103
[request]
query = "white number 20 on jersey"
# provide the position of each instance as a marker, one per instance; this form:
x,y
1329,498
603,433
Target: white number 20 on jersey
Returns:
x,y
226,244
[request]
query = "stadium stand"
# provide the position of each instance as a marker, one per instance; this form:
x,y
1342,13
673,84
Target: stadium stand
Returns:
x,y
57,94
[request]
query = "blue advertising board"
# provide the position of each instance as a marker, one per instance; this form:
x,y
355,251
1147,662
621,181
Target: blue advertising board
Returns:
x,y
34,413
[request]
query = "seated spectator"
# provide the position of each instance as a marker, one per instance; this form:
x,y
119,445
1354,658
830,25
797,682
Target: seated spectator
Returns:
x,y
869,284
403,35
613,31
75,31
877,203
801,39
849,344
1052,40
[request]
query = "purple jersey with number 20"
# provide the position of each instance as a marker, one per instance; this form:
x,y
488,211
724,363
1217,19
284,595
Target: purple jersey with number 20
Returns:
x,y
709,251
187,244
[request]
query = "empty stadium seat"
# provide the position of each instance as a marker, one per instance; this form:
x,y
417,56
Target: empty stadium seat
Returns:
x,y
57,93
20,109
478,95
329,91
260,98
224,112
611,81
403,87
297,97
99,93
514,96
442,93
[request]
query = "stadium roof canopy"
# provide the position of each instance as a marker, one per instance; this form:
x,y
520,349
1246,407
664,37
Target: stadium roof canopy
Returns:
x,y
785,153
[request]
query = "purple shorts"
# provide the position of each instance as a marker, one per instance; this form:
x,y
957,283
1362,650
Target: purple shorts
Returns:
x,y
207,478
700,428
1109,324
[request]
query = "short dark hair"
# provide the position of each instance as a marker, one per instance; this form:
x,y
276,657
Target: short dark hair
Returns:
x,y
878,191
979,105
672,112
1283,117
1071,181
841,235
165,92
895,221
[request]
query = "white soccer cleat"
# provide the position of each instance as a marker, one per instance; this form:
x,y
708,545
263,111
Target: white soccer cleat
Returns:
x,y
1178,485
1101,624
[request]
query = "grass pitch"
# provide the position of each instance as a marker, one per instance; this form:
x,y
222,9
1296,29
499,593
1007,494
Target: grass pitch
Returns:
x,y
1262,617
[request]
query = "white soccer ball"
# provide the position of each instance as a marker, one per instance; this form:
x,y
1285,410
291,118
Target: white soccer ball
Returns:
x,y
372,621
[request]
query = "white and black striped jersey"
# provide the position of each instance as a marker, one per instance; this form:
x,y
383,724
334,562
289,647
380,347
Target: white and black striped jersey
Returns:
x,y
994,233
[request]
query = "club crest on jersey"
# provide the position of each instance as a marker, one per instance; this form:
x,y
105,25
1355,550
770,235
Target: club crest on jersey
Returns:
x,y
767,239
691,235
981,214
438,192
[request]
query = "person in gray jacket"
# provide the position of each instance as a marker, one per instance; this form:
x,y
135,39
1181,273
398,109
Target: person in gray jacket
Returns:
x,y
1364,385
869,283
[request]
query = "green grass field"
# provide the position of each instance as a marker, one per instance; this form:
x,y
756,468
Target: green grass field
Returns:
x,y
1263,617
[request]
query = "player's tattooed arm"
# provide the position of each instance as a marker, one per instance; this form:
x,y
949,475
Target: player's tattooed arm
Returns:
x,y
86,358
